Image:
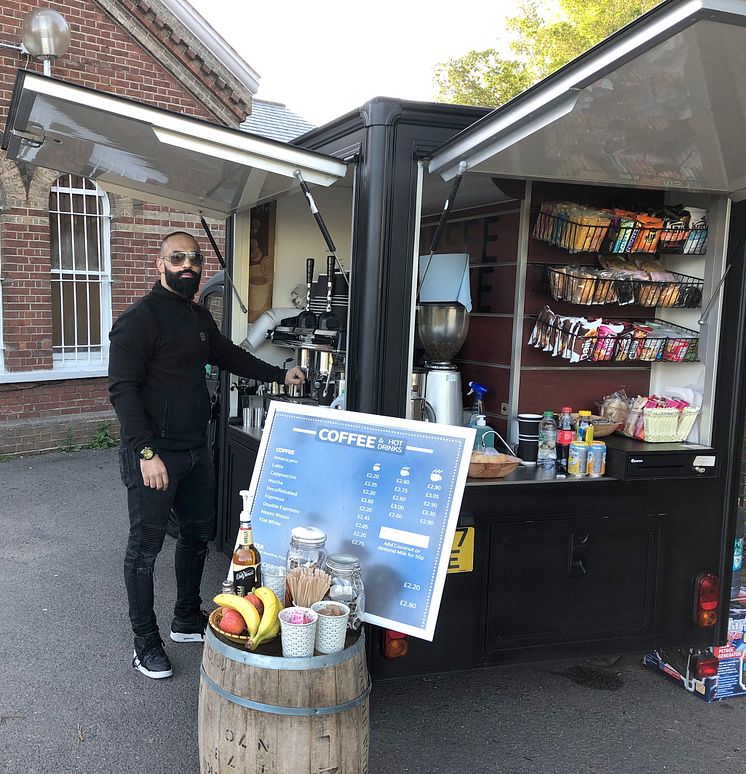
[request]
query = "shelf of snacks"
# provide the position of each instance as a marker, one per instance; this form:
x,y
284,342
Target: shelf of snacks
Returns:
x,y
580,229
645,283
653,418
578,339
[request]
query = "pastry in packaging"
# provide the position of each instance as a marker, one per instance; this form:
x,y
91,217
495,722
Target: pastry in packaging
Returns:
x,y
615,407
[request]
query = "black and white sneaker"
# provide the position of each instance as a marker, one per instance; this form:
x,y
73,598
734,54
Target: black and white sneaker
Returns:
x,y
150,658
189,629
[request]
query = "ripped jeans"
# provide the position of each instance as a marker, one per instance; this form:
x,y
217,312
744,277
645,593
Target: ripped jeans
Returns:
x,y
191,486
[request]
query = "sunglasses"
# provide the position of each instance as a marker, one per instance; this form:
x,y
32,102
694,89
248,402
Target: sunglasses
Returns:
x,y
178,257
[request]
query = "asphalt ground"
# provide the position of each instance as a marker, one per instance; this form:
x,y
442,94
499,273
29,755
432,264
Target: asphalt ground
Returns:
x,y
70,702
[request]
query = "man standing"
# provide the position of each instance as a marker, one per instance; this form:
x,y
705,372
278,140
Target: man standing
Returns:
x,y
159,349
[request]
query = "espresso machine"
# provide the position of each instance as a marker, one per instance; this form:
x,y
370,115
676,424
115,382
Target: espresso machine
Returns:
x,y
317,337
442,329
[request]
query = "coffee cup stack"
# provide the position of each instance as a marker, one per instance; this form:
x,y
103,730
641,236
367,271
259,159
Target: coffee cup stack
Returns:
x,y
528,437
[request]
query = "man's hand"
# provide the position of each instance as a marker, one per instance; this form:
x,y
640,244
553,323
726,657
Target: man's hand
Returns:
x,y
154,473
294,375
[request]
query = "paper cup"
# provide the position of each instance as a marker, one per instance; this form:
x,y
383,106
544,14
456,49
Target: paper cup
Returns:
x,y
297,639
330,629
273,577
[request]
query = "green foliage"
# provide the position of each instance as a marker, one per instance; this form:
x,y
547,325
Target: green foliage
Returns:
x,y
5,457
536,46
70,444
102,438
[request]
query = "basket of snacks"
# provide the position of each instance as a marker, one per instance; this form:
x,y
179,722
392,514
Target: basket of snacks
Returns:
x,y
668,425
602,426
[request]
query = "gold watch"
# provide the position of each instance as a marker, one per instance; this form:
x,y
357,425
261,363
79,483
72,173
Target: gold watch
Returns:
x,y
146,453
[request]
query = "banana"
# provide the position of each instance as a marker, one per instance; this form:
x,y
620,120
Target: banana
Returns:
x,y
269,626
268,634
269,599
248,612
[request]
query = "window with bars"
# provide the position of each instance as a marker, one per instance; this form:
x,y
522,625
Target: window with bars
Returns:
x,y
81,272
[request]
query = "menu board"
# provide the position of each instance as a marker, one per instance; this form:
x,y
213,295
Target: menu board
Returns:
x,y
387,490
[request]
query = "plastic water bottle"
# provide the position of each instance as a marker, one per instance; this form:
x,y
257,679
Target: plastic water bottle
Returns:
x,y
547,455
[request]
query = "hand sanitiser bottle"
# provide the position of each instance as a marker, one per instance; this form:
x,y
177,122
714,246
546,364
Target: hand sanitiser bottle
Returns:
x,y
485,437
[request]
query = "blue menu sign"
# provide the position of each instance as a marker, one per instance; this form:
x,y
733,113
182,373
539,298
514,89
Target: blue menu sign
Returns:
x,y
387,490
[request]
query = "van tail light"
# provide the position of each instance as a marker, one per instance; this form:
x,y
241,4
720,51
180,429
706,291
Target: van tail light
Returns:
x,y
704,665
706,599
395,644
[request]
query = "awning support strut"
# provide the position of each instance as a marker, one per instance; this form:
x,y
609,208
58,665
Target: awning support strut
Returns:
x,y
222,263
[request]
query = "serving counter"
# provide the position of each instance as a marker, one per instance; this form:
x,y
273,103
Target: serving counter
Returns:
x,y
560,567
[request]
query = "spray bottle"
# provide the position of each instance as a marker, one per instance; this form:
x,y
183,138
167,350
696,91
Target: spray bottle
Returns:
x,y
478,391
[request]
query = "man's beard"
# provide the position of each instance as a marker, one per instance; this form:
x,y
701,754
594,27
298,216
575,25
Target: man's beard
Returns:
x,y
184,286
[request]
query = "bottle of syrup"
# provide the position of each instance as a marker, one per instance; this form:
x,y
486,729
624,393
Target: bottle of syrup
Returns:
x,y
247,562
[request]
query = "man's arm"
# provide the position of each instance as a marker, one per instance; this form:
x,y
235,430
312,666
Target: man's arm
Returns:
x,y
232,358
129,352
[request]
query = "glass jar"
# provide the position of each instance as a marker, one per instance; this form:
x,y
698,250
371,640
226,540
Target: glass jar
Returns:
x,y
307,548
347,585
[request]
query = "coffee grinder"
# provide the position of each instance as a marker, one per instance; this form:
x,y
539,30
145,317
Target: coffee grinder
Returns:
x,y
442,328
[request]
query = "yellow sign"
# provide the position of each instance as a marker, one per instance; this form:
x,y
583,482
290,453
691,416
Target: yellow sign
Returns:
x,y
462,551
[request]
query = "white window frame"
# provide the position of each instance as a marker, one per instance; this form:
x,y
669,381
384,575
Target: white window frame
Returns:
x,y
2,342
84,360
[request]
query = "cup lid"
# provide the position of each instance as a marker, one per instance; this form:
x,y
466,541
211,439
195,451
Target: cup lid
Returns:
x,y
309,534
342,562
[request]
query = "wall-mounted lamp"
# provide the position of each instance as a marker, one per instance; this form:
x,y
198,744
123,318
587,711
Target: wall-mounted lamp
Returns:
x,y
45,35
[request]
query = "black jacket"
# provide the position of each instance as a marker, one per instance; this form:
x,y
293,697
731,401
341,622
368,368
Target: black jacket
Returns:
x,y
159,349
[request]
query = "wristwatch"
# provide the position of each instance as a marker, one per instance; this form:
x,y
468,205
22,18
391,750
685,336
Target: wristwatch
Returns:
x,y
146,453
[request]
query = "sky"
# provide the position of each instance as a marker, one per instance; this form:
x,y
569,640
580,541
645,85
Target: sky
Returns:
x,y
323,59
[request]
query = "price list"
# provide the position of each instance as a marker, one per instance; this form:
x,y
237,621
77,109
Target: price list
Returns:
x,y
386,490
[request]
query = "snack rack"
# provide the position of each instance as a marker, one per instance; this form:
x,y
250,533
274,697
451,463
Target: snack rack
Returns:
x,y
589,286
580,230
562,340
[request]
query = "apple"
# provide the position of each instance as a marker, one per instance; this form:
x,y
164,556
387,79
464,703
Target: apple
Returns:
x,y
258,604
232,621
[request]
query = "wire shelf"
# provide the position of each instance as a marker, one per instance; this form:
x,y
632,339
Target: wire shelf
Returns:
x,y
613,235
589,286
643,341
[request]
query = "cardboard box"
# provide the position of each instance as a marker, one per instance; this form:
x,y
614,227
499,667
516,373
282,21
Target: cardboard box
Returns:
x,y
730,680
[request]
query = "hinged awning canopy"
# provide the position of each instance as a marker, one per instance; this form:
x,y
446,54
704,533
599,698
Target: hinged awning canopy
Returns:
x,y
659,104
151,154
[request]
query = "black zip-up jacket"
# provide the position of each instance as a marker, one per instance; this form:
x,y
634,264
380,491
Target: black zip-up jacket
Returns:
x,y
159,349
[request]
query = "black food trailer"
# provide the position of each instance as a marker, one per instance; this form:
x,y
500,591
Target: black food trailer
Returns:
x,y
649,119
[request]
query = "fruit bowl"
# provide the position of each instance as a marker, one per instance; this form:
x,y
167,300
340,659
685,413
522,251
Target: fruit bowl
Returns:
x,y
492,465
215,618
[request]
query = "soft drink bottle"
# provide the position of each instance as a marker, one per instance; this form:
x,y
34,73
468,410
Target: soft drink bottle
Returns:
x,y
565,437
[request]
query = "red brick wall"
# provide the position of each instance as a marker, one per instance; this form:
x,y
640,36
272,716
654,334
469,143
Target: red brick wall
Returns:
x,y
101,56
47,414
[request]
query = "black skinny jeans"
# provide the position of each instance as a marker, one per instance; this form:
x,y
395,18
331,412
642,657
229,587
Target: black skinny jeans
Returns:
x,y
190,493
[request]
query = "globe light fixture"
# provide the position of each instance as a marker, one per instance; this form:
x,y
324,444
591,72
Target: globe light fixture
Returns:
x,y
45,35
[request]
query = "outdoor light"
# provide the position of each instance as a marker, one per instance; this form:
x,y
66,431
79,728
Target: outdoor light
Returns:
x,y
45,35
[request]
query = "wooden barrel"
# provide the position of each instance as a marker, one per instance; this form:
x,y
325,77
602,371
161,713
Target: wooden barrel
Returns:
x,y
274,715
